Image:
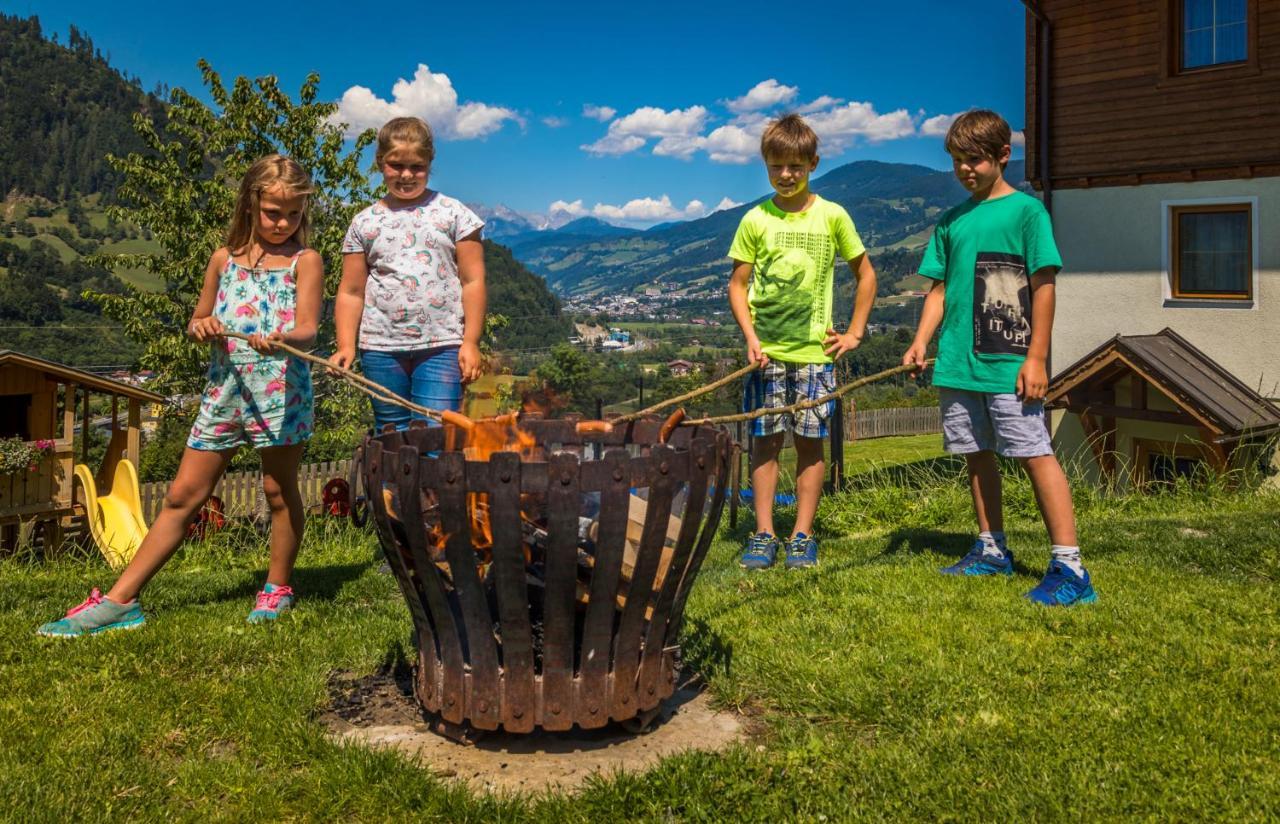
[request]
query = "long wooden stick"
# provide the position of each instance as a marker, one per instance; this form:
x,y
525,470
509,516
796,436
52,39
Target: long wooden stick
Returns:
x,y
362,383
711,387
809,404
382,393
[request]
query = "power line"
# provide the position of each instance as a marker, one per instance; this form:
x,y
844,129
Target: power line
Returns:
x,y
54,328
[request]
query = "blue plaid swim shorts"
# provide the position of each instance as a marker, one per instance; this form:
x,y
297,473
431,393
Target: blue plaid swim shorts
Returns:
x,y
782,384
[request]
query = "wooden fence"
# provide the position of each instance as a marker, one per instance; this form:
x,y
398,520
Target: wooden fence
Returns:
x,y
884,423
241,492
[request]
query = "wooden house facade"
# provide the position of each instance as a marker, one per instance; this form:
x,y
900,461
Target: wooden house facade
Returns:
x,y
1151,132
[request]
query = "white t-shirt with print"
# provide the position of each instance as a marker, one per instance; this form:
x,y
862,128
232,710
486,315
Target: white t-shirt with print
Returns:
x,y
413,298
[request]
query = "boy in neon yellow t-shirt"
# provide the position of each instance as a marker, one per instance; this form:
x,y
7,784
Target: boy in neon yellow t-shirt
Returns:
x,y
781,294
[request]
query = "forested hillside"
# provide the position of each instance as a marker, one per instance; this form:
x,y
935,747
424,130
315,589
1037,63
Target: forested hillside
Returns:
x,y
533,313
63,108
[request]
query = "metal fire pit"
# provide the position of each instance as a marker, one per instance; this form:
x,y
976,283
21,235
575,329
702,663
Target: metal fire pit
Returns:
x,y
587,635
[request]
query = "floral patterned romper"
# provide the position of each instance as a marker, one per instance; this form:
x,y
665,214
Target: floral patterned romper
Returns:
x,y
261,400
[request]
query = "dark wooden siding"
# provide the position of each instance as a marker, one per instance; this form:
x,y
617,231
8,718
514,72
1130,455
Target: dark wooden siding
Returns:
x,y
1119,116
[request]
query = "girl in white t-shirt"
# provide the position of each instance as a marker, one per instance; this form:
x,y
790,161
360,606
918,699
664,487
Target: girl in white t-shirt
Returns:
x,y
412,290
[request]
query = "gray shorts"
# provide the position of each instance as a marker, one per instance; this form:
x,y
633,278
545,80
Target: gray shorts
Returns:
x,y
978,421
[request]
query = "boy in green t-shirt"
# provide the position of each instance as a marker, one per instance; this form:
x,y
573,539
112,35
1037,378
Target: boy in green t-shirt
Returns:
x,y
781,294
993,261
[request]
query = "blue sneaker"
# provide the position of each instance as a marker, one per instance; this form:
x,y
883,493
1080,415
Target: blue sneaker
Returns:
x,y
978,562
272,602
802,552
761,551
1061,587
97,614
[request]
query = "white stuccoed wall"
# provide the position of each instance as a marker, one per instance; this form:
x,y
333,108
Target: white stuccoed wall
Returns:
x,y
1114,280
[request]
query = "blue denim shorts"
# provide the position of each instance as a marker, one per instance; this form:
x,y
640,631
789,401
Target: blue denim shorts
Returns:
x,y
427,377
1000,422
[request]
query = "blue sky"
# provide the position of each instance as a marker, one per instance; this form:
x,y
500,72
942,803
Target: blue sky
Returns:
x,y
679,90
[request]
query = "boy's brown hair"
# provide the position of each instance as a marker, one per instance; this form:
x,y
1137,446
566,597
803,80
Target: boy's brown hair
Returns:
x,y
789,136
411,131
979,133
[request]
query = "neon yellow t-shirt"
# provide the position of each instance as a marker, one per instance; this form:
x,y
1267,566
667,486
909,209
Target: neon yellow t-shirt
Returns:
x,y
793,257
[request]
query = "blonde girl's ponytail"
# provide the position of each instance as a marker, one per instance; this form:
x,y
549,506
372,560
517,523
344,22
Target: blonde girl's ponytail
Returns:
x,y
267,173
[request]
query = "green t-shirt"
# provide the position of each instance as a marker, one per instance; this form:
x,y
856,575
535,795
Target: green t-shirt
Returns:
x,y
985,253
793,256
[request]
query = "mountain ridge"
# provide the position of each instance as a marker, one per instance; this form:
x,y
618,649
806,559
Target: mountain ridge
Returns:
x,y
894,206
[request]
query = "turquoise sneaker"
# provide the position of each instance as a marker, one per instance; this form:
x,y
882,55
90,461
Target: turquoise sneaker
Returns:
x,y
97,614
979,562
272,602
1062,587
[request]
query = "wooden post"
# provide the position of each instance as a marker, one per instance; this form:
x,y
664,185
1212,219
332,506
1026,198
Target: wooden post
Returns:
x,y
84,429
68,411
735,477
134,442
837,446
67,458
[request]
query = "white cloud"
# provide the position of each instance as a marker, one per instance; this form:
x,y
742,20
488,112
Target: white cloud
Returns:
x,y
574,209
683,133
647,209
553,122
764,95
726,203
680,146
734,144
429,95
937,126
840,127
601,113
826,101
642,210
612,144
672,128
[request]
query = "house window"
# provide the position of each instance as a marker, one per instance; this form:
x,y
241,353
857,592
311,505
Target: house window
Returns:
x,y
14,411
1212,33
1212,252
1167,469
1161,463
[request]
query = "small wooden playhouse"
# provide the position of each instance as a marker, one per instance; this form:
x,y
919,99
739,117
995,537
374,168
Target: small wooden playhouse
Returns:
x,y
1152,407
39,400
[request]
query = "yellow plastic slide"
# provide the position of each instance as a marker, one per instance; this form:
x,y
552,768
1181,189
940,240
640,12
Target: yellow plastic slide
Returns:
x,y
115,520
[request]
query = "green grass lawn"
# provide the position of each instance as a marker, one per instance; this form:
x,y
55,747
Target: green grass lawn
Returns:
x,y
136,275
880,690
65,253
865,456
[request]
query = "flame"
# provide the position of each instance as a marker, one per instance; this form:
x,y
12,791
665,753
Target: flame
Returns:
x,y
478,441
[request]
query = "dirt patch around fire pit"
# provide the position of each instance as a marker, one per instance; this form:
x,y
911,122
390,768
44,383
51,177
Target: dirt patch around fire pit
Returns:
x,y
380,711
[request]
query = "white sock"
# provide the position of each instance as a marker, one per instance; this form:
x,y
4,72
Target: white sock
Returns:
x,y
1069,555
992,544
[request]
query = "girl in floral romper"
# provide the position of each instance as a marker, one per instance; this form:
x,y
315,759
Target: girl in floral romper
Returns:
x,y
265,283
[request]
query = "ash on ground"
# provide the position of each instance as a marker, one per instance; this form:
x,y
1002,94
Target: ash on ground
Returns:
x,y
379,710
